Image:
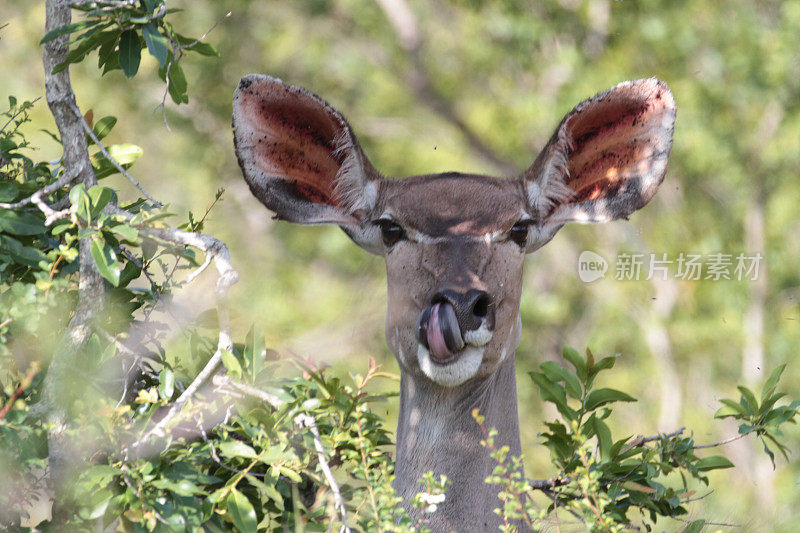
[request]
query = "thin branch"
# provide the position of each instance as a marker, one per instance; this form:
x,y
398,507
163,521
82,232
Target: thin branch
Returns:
x,y
227,385
206,243
639,440
68,177
113,161
553,496
304,420
706,495
552,483
24,384
720,443
707,523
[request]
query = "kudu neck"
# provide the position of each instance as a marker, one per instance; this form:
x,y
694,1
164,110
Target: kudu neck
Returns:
x,y
437,432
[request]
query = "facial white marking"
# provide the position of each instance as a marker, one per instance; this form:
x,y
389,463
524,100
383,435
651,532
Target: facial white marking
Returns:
x,y
452,374
478,337
515,335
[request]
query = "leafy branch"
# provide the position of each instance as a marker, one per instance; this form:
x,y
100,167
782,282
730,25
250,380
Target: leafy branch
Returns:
x,y
603,479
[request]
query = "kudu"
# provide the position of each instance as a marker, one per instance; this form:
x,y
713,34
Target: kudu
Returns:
x,y
454,246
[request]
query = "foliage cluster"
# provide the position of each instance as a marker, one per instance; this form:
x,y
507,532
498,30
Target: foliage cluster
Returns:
x,y
611,483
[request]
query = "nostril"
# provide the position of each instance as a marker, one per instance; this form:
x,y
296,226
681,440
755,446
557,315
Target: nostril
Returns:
x,y
481,306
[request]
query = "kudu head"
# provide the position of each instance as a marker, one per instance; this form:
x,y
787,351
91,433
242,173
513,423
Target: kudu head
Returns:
x,y
454,244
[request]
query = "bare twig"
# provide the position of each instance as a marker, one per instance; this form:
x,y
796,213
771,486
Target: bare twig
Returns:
x,y
305,420
113,161
553,496
722,442
24,384
227,385
639,440
68,177
707,523
552,483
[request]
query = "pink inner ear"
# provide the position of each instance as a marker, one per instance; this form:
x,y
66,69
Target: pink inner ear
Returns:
x,y
291,138
615,137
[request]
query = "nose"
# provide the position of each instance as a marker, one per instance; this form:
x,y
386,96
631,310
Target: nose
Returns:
x,y
444,326
473,308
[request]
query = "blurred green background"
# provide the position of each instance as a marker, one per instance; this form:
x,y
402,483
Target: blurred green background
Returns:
x,y
479,86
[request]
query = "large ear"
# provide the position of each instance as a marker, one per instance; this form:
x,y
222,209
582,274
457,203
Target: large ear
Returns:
x,y
604,161
301,159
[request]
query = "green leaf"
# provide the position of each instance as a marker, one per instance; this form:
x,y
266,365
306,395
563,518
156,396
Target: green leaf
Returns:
x,y
177,84
166,383
108,50
236,448
599,397
21,223
126,232
241,512
604,439
78,53
772,381
557,372
81,205
731,409
572,355
204,49
604,364
125,154
130,52
67,29
106,260
8,192
254,352
156,43
554,393
183,487
748,400
100,197
151,5
104,127
713,463
769,453
25,255
232,364
695,527
100,474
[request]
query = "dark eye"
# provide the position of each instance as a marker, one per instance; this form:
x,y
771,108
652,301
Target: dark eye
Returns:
x,y
519,232
391,232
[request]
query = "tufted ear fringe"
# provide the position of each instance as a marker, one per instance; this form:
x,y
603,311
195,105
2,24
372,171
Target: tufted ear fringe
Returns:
x,y
606,159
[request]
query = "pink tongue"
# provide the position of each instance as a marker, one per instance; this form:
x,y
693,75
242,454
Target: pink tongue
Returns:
x,y
435,336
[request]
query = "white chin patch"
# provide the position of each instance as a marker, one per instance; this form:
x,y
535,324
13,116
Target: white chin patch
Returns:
x,y
451,374
478,337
